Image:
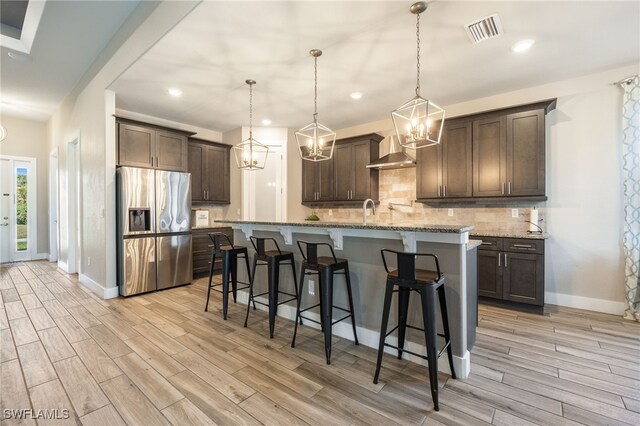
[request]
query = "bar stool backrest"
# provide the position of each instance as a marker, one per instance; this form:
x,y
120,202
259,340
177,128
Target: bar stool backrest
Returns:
x,y
310,251
258,244
406,262
217,239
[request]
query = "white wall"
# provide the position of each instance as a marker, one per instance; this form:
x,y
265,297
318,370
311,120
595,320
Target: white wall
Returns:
x,y
584,260
28,138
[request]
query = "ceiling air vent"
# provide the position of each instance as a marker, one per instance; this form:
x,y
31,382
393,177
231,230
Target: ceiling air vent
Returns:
x,y
484,28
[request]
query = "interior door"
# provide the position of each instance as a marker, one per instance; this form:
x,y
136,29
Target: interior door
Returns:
x,y
5,211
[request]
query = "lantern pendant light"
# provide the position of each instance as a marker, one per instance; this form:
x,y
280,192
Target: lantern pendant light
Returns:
x,y
315,141
251,154
419,122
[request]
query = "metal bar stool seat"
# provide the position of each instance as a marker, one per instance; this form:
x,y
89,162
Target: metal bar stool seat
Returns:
x,y
229,253
272,259
325,267
407,278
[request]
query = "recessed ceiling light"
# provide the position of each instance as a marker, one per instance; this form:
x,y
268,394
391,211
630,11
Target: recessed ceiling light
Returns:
x,y
176,93
522,46
356,95
266,122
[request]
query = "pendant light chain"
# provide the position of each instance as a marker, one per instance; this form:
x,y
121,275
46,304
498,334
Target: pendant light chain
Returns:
x,y
418,54
250,113
315,96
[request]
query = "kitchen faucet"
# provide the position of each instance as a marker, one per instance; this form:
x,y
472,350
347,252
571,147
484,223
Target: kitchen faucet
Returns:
x,y
364,209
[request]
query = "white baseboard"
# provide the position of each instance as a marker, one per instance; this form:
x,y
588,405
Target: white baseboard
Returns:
x,y
52,258
587,303
103,292
40,256
370,338
63,265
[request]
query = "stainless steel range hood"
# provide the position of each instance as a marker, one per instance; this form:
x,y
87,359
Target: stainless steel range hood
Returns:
x,y
394,159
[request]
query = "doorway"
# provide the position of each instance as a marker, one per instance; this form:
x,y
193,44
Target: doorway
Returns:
x,y
263,190
18,209
54,231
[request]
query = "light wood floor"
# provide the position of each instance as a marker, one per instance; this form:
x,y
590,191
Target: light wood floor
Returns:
x,y
159,359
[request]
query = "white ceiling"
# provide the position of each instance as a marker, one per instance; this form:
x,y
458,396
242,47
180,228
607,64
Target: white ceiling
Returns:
x,y
368,47
69,37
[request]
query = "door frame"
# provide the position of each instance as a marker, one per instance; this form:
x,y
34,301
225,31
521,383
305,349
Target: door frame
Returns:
x,y
74,197
248,186
32,208
54,202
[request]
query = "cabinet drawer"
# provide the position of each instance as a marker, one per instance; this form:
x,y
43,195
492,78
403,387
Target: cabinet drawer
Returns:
x,y
523,245
490,243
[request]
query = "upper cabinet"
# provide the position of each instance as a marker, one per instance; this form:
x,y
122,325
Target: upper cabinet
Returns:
x,y
209,168
345,177
142,145
496,155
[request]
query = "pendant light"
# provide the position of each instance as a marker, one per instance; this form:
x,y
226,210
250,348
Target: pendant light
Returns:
x,y
315,141
251,154
418,123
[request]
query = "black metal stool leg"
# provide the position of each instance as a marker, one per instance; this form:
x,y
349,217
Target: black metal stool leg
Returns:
x,y
298,317
326,295
213,261
234,277
246,262
226,271
295,283
388,294
445,326
350,296
403,309
255,263
430,334
274,275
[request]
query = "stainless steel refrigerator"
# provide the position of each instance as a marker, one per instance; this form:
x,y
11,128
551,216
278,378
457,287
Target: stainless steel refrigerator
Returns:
x,y
154,229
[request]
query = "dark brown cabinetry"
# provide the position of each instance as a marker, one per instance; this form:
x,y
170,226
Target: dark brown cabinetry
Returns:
x,y
142,145
345,177
202,250
495,155
209,168
444,170
512,269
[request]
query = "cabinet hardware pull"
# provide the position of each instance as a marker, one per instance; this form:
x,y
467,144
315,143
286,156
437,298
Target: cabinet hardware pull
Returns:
x,y
499,258
509,188
439,190
444,194
523,245
502,188
506,263
486,244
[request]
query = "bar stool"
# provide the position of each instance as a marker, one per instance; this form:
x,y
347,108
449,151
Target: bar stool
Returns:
x,y
325,267
229,254
426,283
272,259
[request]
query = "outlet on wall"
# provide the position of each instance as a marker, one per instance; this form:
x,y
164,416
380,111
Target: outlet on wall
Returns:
x,y
88,260
450,212
312,287
514,212
330,212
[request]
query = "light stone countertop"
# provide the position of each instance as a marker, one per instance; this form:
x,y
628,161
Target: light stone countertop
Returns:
x,y
509,234
411,227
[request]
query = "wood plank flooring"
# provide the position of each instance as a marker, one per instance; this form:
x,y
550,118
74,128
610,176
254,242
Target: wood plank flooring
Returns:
x,y
160,359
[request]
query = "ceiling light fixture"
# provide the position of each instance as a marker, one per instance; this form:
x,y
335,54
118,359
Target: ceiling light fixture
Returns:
x,y
315,141
266,122
356,95
522,46
251,154
176,93
419,122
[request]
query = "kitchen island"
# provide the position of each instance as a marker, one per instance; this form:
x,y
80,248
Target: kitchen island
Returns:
x,y
360,245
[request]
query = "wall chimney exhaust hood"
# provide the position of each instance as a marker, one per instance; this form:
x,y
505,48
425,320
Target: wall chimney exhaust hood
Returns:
x,y
394,159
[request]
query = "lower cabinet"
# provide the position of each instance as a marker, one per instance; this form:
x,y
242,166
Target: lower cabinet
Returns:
x,y
511,269
202,245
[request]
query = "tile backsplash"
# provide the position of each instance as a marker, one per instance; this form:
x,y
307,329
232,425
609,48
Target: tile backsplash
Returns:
x,y
398,186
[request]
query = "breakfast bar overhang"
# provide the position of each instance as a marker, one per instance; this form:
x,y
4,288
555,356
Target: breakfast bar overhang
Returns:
x,y
361,245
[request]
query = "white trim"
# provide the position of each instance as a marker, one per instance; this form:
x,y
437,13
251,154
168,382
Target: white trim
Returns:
x,y
63,265
40,256
370,338
54,201
29,29
103,292
587,303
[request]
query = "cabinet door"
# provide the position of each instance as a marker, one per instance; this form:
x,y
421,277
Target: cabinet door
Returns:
x,y
489,157
457,156
196,163
217,173
524,278
171,151
310,177
343,171
428,172
361,175
525,153
136,146
490,273
324,180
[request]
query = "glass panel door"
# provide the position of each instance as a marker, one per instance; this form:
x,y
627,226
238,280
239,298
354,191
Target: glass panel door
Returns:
x,y
22,209
5,211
